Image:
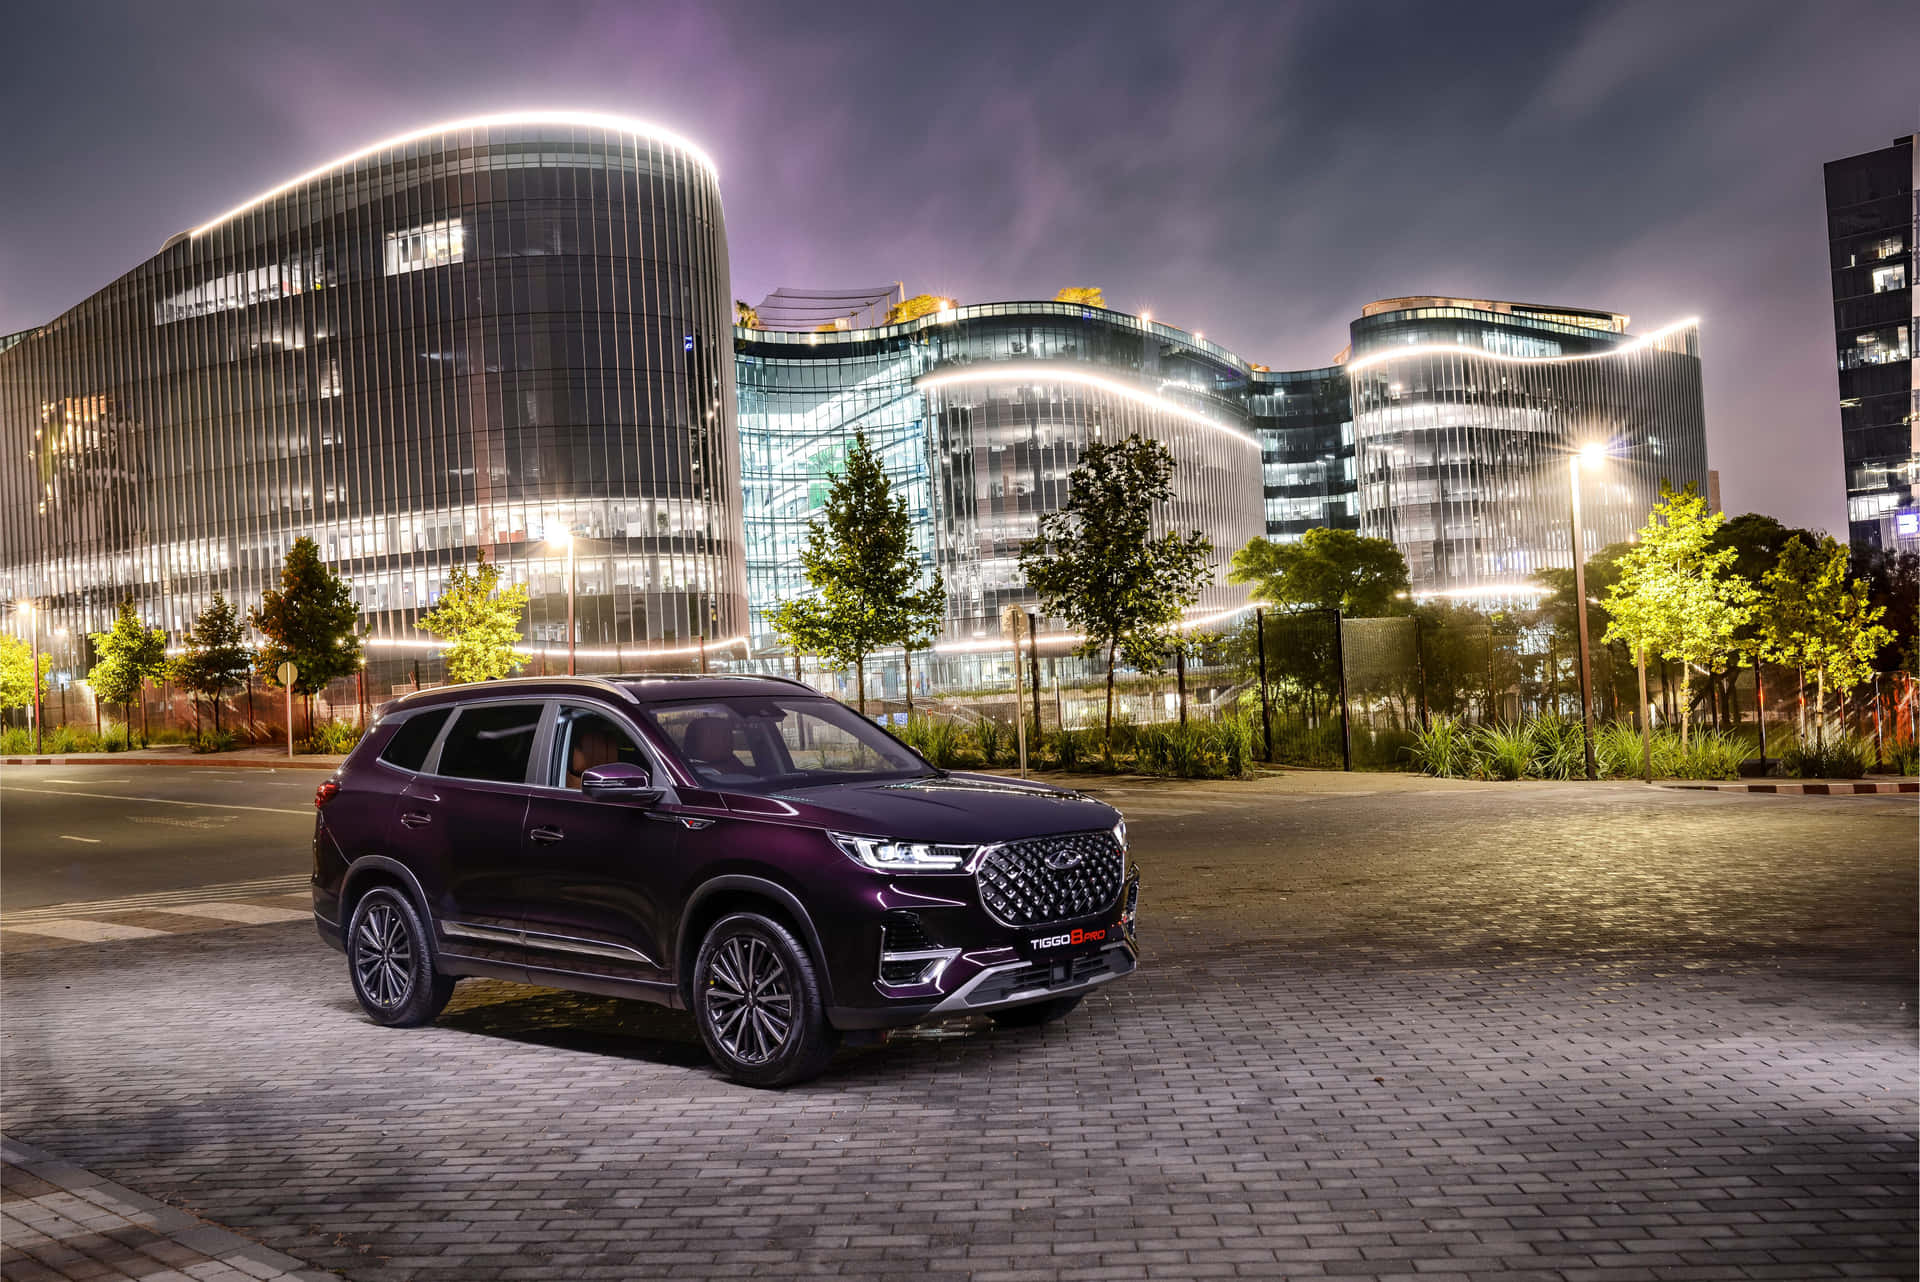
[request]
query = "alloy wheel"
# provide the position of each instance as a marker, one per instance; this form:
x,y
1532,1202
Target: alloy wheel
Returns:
x,y
750,999
383,956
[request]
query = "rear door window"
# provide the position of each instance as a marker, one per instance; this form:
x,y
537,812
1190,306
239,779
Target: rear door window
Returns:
x,y
414,739
491,741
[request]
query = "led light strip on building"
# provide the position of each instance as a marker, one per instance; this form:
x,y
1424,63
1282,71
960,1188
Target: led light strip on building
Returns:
x,y
581,119
1478,353
1043,372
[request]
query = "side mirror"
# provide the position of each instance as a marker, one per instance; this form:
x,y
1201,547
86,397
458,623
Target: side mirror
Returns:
x,y
620,781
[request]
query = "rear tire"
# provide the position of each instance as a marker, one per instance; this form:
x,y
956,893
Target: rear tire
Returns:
x,y
757,1000
390,961
1038,1013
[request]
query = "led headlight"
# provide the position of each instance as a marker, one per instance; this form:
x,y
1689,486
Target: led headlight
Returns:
x,y
1120,840
884,855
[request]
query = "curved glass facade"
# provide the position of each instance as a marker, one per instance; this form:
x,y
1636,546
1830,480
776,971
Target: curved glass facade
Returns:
x,y
476,337
979,462
1465,420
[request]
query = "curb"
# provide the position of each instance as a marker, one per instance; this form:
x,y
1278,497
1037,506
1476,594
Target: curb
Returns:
x,y
185,759
1809,788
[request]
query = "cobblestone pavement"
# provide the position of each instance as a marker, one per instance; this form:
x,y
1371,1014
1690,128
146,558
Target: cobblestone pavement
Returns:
x,y
1383,1029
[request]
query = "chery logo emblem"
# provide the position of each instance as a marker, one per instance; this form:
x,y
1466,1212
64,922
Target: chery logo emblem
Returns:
x,y
1066,857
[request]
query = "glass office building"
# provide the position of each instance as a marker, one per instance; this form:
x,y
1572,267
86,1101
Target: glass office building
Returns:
x,y
1466,413
474,338
1872,223
979,414
1304,419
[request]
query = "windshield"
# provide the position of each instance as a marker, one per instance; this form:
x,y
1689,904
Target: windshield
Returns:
x,y
759,743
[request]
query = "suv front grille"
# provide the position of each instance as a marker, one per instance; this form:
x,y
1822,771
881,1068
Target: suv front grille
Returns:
x,y
1020,886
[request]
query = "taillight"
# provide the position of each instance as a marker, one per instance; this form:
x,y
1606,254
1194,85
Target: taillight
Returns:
x,y
325,792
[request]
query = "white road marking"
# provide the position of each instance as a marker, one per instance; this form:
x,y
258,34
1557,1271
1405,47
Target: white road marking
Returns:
x,y
91,841
246,914
91,932
158,801
162,899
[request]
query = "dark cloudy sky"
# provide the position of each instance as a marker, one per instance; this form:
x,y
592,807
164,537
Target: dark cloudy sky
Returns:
x,y
1254,171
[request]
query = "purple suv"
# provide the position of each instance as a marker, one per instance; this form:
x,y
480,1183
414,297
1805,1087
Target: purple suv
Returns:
x,y
742,847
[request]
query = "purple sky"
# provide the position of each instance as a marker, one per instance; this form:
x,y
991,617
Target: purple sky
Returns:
x,y
1257,172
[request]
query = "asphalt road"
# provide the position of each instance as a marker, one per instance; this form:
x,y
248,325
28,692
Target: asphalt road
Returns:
x,y
1384,1028
95,832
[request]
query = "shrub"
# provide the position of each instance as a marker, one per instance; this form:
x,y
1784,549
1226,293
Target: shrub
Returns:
x,y
1714,754
1841,757
332,738
1445,749
996,742
1903,758
1067,749
1503,752
15,740
941,741
219,741
1617,750
1559,748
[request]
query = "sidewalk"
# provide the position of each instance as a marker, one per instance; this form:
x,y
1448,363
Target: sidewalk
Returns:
x,y
178,754
58,1221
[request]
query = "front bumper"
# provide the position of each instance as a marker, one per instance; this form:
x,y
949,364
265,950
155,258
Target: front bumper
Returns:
x,y
995,968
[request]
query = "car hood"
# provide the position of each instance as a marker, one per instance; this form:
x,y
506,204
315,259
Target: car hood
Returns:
x,y
957,808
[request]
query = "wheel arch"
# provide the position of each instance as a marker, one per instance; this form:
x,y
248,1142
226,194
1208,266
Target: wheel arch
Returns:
x,y
741,892
370,871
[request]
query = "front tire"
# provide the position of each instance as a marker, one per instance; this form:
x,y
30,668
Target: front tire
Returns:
x,y
1036,1013
757,1000
391,964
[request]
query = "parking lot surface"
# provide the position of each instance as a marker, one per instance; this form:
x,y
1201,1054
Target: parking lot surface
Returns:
x,y
1385,1028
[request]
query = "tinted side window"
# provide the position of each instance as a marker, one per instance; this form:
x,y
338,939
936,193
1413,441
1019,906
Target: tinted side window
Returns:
x,y
492,741
408,747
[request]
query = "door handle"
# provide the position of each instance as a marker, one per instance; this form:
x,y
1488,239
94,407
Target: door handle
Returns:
x,y
546,836
415,819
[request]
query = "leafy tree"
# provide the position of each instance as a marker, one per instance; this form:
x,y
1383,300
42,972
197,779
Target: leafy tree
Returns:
x,y
1098,565
16,673
311,620
1817,618
1555,611
480,628
864,573
1893,584
130,655
1327,569
216,657
1677,593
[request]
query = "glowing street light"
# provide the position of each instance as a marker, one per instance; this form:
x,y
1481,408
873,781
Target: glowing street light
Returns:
x,y
1590,456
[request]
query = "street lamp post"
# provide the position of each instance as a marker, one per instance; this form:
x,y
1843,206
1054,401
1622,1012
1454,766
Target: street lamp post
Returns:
x,y
1589,456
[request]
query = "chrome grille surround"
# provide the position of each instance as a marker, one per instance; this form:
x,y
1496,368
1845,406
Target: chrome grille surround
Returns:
x,y
1020,887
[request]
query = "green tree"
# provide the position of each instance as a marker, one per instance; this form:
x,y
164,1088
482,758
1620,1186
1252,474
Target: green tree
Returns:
x,y
16,673
1098,564
1325,570
129,655
1893,584
310,620
1817,618
215,657
864,572
1555,611
480,628
1677,593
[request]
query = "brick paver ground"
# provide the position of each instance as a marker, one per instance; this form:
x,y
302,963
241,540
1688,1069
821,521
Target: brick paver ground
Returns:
x,y
1383,1030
